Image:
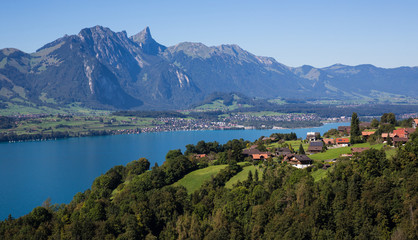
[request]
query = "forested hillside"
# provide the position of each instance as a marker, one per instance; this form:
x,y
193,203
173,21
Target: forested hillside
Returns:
x,y
368,197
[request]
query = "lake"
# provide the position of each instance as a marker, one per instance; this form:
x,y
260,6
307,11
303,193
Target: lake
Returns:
x,y
30,172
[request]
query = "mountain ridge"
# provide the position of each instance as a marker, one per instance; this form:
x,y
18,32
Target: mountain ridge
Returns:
x,y
100,68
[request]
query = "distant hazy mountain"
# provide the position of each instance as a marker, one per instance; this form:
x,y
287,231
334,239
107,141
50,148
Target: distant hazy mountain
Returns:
x,y
103,69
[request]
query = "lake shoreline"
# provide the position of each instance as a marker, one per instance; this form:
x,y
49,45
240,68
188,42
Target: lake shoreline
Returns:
x,y
27,137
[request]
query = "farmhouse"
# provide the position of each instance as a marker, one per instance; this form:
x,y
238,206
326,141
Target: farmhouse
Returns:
x,y
343,142
312,136
315,147
251,151
329,141
364,125
282,151
402,133
385,136
366,134
298,161
260,156
399,140
344,129
399,133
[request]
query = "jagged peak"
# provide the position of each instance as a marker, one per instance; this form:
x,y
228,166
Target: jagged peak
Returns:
x,y
95,31
143,36
147,43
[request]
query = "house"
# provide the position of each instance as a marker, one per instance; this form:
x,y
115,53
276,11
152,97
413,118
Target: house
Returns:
x,y
359,150
399,140
197,156
415,123
385,136
315,147
410,131
364,125
312,136
250,151
344,142
344,129
260,156
282,151
298,161
366,134
399,133
329,141
402,133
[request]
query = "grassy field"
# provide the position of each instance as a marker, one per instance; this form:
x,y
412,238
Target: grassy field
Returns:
x,y
77,124
195,179
336,152
19,107
243,175
320,174
391,152
219,105
295,145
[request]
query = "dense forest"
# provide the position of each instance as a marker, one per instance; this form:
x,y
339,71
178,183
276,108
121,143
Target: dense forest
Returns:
x,y
367,197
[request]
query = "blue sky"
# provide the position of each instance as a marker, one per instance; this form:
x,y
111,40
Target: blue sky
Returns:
x,y
318,33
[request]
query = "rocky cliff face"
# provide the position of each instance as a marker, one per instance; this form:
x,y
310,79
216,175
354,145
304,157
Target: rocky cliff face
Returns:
x,y
106,69
100,68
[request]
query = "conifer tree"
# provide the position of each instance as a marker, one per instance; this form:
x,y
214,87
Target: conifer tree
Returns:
x,y
301,150
355,129
250,176
389,141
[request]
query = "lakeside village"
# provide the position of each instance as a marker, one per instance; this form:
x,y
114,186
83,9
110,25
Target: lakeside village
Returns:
x,y
233,122
37,127
336,143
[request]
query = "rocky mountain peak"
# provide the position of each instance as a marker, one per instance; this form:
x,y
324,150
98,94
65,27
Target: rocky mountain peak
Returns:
x,y
147,43
143,36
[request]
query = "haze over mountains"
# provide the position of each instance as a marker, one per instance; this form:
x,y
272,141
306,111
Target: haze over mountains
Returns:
x,y
100,68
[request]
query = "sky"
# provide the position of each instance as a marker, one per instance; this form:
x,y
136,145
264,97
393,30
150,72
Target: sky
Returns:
x,y
294,32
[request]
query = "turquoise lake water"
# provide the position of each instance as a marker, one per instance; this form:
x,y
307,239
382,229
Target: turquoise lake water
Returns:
x,y
30,172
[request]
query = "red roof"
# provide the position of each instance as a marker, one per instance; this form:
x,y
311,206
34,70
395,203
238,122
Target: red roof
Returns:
x,y
328,140
368,133
343,140
385,135
402,133
260,156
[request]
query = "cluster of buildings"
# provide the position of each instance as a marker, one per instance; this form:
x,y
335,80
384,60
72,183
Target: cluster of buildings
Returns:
x,y
296,160
289,117
317,144
398,136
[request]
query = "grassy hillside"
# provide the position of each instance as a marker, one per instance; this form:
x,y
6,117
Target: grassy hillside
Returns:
x,y
336,152
243,175
320,174
195,179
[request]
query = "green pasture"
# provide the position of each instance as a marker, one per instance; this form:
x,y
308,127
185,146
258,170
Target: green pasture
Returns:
x,y
195,179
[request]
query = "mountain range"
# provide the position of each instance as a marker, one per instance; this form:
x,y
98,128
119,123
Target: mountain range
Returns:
x,y
99,68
